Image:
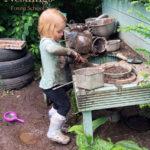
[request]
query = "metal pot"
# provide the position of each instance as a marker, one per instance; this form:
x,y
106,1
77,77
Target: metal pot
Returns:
x,y
80,41
104,28
77,26
84,42
90,21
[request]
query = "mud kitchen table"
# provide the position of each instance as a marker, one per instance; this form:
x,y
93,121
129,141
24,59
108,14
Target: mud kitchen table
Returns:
x,y
110,96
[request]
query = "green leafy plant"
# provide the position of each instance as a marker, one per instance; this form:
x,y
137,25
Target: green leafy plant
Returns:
x,y
23,25
34,49
86,142
145,2
2,29
140,28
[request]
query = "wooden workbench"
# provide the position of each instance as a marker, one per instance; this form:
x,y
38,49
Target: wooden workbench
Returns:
x,y
111,96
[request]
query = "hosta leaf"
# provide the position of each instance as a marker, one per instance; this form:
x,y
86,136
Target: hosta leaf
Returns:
x,y
98,122
130,145
78,129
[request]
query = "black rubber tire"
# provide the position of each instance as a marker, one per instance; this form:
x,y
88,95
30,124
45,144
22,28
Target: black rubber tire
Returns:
x,y
16,83
16,68
9,55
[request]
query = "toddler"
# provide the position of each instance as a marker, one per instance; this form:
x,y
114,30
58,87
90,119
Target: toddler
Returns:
x,y
50,27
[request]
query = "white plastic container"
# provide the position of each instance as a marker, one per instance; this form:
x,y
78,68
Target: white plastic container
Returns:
x,y
89,78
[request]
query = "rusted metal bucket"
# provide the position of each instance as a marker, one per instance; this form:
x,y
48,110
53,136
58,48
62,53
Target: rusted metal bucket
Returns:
x,y
89,78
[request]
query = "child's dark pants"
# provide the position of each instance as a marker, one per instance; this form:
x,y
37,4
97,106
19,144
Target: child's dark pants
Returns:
x,y
59,99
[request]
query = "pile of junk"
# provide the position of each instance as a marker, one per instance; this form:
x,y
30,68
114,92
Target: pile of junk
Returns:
x,y
91,36
92,39
106,65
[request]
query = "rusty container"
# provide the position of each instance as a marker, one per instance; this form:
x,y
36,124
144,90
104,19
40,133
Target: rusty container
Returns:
x,y
80,41
89,78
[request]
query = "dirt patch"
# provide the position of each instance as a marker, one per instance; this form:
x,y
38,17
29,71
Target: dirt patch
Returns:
x,y
123,80
29,105
120,131
31,135
115,70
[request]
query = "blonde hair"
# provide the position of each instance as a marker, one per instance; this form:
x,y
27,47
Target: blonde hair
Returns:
x,y
48,21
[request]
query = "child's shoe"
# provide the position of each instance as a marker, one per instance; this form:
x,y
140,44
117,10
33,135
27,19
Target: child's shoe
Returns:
x,y
64,127
52,111
54,133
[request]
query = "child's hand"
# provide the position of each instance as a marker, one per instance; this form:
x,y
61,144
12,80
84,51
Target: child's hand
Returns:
x,y
78,58
82,60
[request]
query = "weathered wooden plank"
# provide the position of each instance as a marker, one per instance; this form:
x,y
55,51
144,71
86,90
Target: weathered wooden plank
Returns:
x,y
113,99
98,106
121,92
120,103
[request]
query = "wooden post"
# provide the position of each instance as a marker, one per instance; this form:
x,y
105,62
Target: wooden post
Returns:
x,y
87,123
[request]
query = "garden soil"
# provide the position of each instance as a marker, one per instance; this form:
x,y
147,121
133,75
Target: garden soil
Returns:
x,y
31,135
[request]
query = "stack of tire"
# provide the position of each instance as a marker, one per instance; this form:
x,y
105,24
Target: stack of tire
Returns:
x,y
16,69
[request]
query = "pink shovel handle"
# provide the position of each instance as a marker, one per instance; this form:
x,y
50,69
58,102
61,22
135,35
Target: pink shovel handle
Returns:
x,y
20,120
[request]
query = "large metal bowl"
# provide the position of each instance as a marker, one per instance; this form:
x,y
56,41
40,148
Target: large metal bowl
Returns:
x,y
102,27
89,21
103,30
